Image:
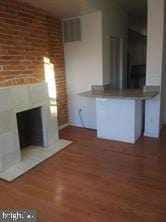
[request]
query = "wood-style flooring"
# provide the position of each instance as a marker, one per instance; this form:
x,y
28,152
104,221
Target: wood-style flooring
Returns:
x,y
95,180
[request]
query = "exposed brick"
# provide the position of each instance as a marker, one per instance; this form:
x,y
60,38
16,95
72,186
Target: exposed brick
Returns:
x,y
27,35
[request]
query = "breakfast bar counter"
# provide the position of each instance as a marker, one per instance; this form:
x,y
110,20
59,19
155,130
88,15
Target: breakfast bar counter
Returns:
x,y
137,94
120,113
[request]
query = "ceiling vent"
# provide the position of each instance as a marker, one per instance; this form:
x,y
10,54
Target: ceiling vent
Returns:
x,y
72,30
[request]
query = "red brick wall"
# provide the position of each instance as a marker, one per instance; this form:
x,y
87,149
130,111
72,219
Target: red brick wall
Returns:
x,y
27,34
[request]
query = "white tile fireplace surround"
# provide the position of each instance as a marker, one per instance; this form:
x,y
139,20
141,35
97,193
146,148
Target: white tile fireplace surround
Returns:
x,y
14,100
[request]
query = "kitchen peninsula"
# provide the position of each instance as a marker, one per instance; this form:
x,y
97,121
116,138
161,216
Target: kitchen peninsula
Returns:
x,y
120,113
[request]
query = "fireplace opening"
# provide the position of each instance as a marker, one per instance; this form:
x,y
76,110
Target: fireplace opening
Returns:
x,y
30,128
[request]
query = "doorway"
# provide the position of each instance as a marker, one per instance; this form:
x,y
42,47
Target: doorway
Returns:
x,y
136,50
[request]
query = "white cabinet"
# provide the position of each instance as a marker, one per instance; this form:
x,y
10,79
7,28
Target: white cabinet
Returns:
x,y
119,119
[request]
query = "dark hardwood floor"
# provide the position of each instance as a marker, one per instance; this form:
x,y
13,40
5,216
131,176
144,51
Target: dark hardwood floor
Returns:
x,y
95,180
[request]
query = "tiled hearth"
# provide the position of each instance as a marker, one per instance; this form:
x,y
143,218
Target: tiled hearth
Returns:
x,y
15,100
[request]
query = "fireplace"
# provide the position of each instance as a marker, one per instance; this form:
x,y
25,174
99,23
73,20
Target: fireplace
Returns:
x,y
30,128
26,119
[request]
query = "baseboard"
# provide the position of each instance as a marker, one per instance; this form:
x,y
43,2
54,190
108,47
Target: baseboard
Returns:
x,y
152,135
76,125
63,126
80,126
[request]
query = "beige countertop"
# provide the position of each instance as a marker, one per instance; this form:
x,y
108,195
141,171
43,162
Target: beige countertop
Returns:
x,y
136,94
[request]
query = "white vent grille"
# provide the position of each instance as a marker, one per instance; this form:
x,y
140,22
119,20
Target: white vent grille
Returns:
x,y
72,30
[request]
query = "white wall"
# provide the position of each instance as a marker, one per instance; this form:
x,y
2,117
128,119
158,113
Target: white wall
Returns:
x,y
154,64
155,42
83,61
163,79
88,61
163,90
115,23
152,117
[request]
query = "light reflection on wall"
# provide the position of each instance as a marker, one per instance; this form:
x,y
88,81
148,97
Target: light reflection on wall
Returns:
x,y
50,79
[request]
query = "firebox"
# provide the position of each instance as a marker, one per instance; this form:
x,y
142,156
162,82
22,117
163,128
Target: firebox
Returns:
x,y
30,128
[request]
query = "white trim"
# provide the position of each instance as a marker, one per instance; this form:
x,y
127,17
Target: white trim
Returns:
x,y
63,126
152,135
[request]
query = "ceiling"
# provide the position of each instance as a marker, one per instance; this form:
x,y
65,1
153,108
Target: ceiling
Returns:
x,y
71,8
134,6
63,8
